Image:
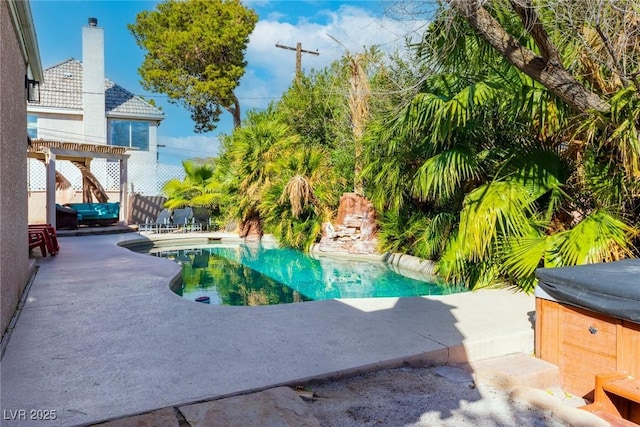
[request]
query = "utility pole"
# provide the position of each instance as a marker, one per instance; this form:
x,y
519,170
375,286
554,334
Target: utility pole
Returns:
x,y
299,52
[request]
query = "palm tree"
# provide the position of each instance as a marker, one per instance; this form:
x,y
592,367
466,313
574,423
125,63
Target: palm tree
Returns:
x,y
491,186
250,154
301,198
203,187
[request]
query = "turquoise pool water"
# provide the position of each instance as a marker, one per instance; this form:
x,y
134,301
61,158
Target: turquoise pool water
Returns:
x,y
256,275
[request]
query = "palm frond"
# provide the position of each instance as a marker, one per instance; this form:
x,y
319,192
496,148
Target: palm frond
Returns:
x,y
443,174
298,193
501,208
435,236
521,256
599,237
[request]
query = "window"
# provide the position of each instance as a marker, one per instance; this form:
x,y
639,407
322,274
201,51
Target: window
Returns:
x,y
32,126
129,133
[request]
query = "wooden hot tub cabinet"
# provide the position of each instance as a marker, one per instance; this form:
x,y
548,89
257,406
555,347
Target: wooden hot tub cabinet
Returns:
x,y
588,321
583,344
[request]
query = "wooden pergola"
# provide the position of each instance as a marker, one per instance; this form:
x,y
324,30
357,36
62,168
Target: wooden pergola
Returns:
x,y
81,155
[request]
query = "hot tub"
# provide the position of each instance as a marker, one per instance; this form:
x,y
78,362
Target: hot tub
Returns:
x,y
588,321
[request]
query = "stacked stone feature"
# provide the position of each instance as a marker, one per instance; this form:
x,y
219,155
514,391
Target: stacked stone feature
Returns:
x,y
355,229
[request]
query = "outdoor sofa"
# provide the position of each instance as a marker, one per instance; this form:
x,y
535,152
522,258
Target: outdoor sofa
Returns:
x,y
96,213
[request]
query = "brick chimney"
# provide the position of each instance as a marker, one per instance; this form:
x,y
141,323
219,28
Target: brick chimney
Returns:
x,y
93,98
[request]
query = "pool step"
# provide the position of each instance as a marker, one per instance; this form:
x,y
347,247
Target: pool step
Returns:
x,y
513,370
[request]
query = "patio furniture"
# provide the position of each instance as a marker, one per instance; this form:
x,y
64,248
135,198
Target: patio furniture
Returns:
x,y
36,240
163,218
47,234
201,219
96,213
183,218
67,218
192,225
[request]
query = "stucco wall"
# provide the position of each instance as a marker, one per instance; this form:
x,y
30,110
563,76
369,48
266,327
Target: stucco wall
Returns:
x,y
60,127
14,259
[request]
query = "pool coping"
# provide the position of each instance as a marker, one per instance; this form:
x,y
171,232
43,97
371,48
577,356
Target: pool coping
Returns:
x,y
82,348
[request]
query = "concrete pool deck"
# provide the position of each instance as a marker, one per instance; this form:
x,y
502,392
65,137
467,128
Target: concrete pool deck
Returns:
x,y
101,336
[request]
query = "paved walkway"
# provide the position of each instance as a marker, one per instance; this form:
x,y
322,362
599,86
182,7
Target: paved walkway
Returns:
x,y
101,336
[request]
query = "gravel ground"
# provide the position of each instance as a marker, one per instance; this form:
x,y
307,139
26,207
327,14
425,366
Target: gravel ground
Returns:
x,y
437,396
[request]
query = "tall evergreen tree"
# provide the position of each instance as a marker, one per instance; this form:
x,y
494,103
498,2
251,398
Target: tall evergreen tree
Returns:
x,y
194,53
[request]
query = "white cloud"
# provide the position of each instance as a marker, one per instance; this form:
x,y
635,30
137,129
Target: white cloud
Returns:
x,y
271,70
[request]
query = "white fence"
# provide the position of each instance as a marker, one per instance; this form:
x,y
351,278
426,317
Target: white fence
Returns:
x,y
144,179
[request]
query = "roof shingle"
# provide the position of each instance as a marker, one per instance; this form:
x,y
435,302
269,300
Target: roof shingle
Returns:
x,y
62,88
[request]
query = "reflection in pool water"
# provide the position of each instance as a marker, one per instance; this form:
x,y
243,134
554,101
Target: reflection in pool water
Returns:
x,y
258,275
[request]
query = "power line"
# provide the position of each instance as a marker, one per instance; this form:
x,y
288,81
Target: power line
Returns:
x,y
299,51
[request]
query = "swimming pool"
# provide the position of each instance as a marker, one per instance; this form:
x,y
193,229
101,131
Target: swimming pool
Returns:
x,y
258,275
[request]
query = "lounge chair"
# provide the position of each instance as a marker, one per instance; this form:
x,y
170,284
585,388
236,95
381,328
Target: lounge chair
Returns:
x,y
163,219
187,220
193,226
175,221
183,219
201,220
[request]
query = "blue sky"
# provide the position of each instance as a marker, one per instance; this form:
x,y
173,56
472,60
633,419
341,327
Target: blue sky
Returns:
x,y
270,70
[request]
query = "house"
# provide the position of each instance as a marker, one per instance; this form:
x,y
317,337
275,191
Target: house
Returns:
x,y
20,70
79,105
